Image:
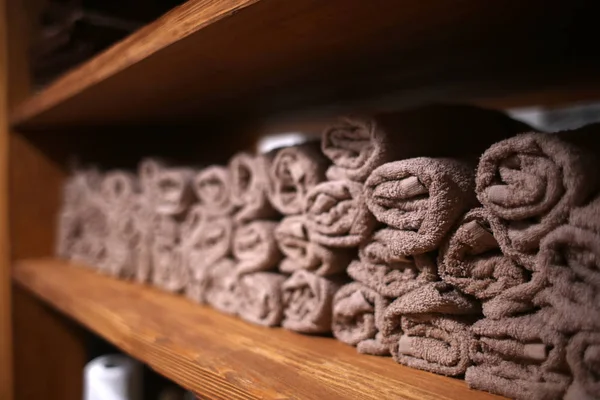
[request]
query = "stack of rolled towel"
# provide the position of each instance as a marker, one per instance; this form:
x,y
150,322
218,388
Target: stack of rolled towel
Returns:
x,y
391,235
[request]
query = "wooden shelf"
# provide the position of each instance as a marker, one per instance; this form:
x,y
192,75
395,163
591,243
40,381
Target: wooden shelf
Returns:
x,y
209,59
219,356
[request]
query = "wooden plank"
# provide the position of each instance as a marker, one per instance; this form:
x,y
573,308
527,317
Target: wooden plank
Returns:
x,y
249,58
219,356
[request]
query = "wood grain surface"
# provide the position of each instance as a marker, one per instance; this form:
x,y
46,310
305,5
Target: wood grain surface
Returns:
x,y
221,357
250,58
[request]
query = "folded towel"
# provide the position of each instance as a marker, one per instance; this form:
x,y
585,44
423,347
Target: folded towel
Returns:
x,y
514,355
377,249
193,254
255,248
428,329
532,181
294,171
223,281
583,357
357,318
210,241
358,145
420,199
119,189
249,185
336,214
144,221
173,191
260,299
395,279
471,260
301,253
308,301
169,271
212,186
148,172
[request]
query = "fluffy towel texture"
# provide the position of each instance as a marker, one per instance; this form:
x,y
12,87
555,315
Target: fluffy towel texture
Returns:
x,y
420,199
583,357
336,214
260,299
222,287
520,357
173,191
169,271
249,186
210,242
358,145
357,318
378,249
212,186
301,253
144,221
396,279
255,248
532,181
428,329
308,302
148,173
193,253
294,171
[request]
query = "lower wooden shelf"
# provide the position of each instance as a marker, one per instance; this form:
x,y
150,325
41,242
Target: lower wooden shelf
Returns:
x,y
219,356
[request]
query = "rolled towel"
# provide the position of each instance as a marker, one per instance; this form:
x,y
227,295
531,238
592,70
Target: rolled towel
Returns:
x,y
222,287
513,356
301,253
212,186
255,247
169,271
583,357
249,186
336,214
531,182
193,254
260,298
358,145
308,302
294,171
420,199
378,249
397,279
120,189
144,221
358,316
173,191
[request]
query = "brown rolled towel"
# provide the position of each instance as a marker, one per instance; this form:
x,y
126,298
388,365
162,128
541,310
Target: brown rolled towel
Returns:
x,y
396,279
249,186
144,221
357,318
378,249
336,214
532,181
193,254
173,191
420,199
308,302
519,357
358,145
255,247
428,329
212,186
260,298
208,240
169,272
222,286
583,357
294,171
301,253
148,173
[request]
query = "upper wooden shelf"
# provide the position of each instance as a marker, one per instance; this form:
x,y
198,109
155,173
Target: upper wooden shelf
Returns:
x,y
246,58
219,356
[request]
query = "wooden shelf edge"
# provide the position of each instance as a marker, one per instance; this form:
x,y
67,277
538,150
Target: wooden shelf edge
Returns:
x,y
221,356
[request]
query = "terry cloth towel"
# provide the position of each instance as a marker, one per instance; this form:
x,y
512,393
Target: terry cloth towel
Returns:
x,y
144,221
193,253
169,271
377,249
531,182
471,260
419,199
294,171
395,279
255,248
336,214
260,299
428,329
301,253
308,302
583,357
221,293
209,242
173,188
249,185
212,186
520,357
357,318
358,145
